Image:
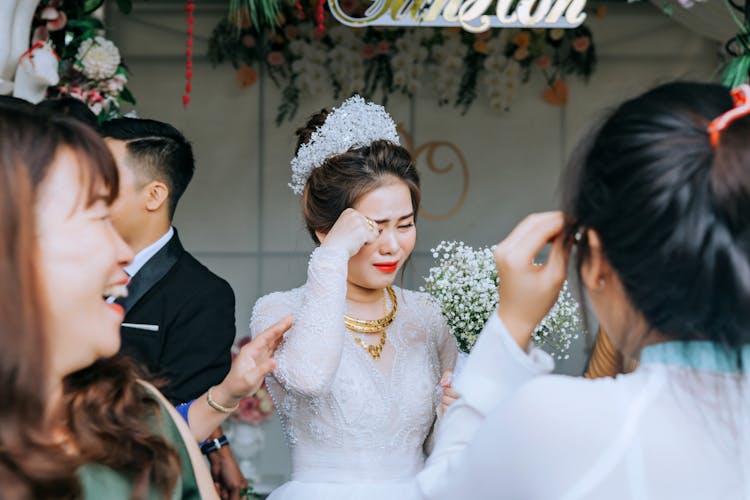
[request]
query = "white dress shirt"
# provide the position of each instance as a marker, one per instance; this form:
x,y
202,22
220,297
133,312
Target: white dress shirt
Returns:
x,y
665,431
145,255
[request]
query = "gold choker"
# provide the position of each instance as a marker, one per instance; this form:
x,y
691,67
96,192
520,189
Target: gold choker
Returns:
x,y
374,325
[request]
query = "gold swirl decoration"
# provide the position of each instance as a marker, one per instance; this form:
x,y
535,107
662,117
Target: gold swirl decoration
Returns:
x,y
430,148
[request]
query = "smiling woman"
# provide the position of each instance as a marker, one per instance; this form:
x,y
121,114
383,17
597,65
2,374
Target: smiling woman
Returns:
x,y
356,375
75,420
68,222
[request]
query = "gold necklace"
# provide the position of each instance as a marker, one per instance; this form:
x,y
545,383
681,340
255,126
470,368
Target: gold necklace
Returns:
x,y
375,349
373,326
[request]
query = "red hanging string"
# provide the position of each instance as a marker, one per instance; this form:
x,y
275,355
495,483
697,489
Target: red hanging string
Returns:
x,y
189,9
320,16
300,10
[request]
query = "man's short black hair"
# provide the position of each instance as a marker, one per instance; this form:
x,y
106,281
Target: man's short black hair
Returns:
x,y
15,104
159,152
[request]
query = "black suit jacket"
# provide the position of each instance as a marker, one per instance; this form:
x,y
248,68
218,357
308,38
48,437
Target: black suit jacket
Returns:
x,y
193,310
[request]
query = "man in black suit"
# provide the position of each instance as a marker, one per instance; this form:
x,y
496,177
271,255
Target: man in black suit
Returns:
x,y
179,316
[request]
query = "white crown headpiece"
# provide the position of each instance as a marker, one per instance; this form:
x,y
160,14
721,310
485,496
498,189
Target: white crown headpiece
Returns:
x,y
356,123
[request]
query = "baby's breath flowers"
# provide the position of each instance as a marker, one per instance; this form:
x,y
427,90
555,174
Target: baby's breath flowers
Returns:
x,y
464,282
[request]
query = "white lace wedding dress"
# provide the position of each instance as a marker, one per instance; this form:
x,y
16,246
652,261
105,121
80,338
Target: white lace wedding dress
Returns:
x,y
357,427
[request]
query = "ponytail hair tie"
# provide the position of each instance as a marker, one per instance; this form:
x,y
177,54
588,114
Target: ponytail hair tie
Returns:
x,y
741,97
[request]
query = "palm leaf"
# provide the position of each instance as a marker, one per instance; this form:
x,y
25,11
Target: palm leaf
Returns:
x,y
258,12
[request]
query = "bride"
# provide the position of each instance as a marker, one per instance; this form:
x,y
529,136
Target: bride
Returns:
x,y
356,374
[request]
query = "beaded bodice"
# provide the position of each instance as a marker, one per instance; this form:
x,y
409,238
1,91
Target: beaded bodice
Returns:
x,y
347,416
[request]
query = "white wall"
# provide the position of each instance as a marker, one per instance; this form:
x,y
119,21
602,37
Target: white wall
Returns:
x,y
239,217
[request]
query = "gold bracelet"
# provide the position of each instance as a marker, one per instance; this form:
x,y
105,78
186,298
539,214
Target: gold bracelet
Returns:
x,y
216,406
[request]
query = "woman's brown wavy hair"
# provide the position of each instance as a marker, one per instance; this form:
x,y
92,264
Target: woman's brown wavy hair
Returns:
x,y
107,414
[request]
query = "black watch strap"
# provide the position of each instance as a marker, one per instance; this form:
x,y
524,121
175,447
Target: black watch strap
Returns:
x,y
212,445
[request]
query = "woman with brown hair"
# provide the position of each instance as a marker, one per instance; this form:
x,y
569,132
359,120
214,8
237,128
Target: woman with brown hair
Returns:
x,y
75,421
356,375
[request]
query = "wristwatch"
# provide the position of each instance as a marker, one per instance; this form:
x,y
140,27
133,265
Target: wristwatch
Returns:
x,y
213,445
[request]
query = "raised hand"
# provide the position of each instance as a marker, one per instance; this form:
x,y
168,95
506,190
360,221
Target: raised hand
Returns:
x,y
529,290
254,362
251,365
351,232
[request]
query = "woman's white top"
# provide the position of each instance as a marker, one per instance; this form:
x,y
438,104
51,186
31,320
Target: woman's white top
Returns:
x,y
676,428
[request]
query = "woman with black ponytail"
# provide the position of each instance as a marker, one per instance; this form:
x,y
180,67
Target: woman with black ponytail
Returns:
x,y
657,220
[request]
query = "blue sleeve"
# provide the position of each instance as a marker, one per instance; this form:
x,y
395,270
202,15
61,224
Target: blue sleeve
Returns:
x,y
183,409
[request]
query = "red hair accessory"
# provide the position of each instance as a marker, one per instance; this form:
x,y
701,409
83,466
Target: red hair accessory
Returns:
x,y
189,8
741,96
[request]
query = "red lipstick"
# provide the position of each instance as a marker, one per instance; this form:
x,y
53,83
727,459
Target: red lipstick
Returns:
x,y
117,307
386,267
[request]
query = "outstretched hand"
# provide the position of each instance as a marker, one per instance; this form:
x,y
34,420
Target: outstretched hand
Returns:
x,y
255,361
529,290
252,364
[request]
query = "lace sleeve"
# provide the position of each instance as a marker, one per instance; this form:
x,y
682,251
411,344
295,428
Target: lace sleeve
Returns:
x,y
444,357
445,341
309,356
442,341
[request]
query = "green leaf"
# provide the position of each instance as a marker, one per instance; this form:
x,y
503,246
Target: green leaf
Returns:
x,y
127,96
85,24
89,6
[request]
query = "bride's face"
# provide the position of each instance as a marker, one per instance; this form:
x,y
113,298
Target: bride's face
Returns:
x,y
375,266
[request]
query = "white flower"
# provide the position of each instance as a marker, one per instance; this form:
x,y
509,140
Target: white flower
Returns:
x,y
343,36
496,45
464,284
493,63
400,61
418,53
338,55
316,52
297,47
98,57
114,86
453,63
299,66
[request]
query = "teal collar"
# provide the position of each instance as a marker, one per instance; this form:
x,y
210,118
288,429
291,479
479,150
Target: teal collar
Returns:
x,y
698,355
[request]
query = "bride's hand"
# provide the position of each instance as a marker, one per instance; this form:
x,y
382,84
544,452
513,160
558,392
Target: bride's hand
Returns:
x,y
252,364
351,232
449,395
528,290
